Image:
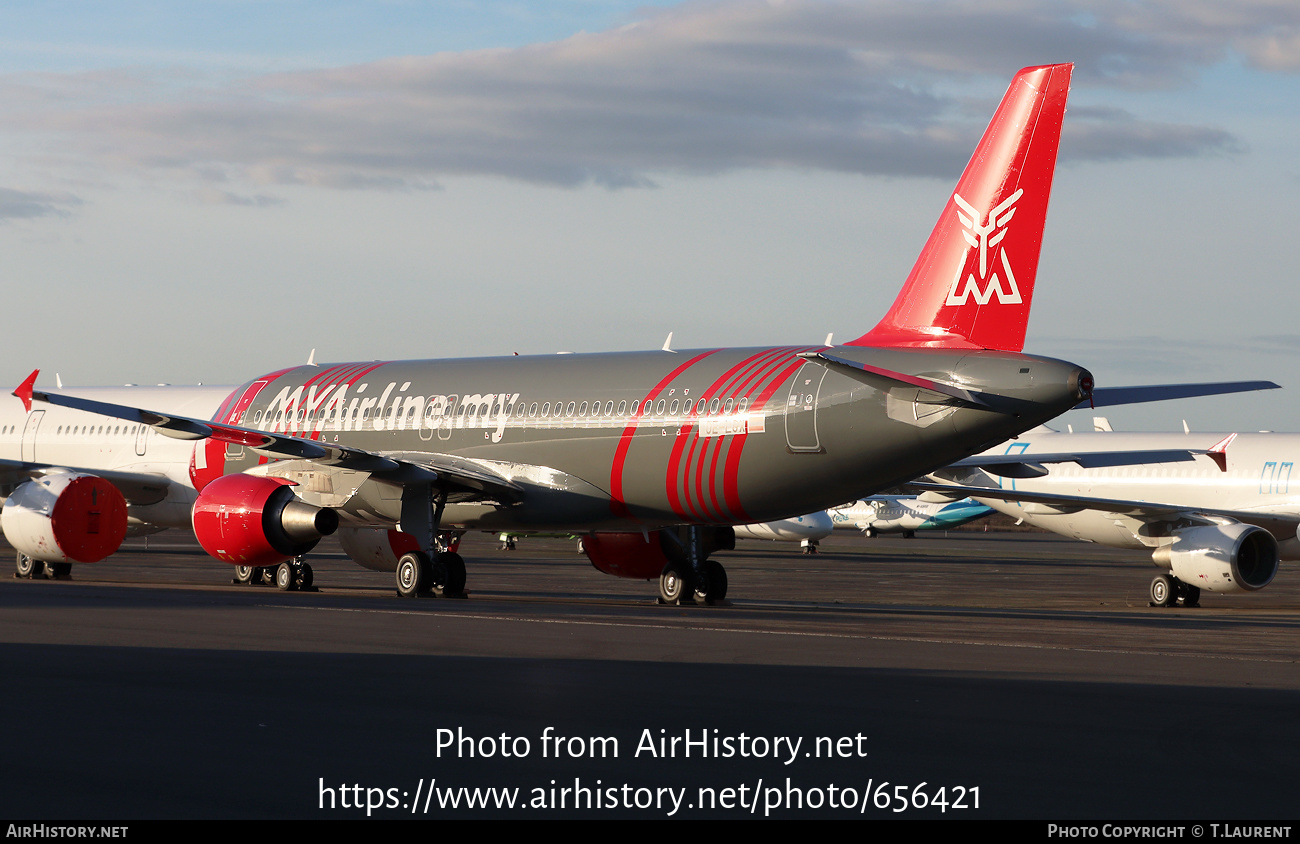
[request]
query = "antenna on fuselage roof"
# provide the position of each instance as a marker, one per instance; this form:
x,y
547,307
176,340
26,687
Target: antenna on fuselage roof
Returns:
x,y
311,358
668,344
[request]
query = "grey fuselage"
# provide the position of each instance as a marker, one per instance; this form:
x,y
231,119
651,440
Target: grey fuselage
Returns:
x,y
730,436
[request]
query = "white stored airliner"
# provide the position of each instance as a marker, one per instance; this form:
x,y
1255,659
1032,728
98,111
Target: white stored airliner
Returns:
x,y
1217,517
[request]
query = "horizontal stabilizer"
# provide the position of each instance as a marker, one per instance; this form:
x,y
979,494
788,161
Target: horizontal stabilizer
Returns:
x,y
1112,396
884,379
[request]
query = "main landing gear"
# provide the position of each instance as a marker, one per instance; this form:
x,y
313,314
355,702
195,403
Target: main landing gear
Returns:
x,y
1169,591
443,576
28,567
436,569
690,576
289,576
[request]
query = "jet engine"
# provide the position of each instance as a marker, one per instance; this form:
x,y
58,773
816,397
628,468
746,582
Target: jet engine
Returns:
x,y
377,549
253,520
1221,558
626,554
643,556
65,518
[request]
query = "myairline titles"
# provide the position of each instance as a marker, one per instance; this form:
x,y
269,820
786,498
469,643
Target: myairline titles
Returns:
x,y
324,408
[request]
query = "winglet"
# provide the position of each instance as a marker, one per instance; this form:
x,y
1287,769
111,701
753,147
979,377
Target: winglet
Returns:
x,y
24,390
1219,452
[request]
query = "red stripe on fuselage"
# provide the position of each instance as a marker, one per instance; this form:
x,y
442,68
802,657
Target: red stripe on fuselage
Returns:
x,y
718,388
616,502
678,478
728,389
731,469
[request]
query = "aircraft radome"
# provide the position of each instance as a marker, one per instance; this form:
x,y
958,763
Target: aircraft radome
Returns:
x,y
807,530
656,454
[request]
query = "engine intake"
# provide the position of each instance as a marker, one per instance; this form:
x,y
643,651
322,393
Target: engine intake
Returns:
x,y
65,518
1221,558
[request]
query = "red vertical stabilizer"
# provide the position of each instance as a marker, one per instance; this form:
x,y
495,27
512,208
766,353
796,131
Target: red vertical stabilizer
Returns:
x,y
973,283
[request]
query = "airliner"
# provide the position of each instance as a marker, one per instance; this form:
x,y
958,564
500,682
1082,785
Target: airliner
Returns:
x,y
906,514
656,455
1215,511
808,530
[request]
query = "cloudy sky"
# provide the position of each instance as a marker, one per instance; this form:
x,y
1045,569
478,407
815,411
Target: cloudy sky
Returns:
x,y
206,191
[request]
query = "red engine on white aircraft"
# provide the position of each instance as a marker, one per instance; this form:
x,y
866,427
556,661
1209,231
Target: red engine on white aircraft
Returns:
x,y
253,520
65,518
1221,558
377,549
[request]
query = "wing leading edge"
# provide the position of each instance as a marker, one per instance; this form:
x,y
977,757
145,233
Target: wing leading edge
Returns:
x,y
430,469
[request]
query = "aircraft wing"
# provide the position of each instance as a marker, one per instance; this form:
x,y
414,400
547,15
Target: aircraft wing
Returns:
x,y
1273,521
467,478
136,487
1032,465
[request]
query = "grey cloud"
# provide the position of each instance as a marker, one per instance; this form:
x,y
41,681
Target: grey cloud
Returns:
x,y
698,88
17,204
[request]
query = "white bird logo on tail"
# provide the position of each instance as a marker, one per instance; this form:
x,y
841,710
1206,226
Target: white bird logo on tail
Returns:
x,y
984,237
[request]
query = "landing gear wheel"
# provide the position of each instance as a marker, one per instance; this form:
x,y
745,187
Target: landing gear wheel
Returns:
x,y
447,578
674,584
305,577
869,533
582,546
28,567
248,574
1162,591
1186,594
909,534
713,585
413,575
267,576
58,571
285,577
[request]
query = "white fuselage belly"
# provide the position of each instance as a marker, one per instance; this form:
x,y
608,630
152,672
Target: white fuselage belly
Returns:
x,y
1258,479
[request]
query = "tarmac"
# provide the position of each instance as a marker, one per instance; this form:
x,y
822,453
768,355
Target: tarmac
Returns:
x,y
959,675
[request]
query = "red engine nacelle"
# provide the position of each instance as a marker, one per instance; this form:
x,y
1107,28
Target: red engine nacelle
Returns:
x,y
254,520
626,554
377,549
65,518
